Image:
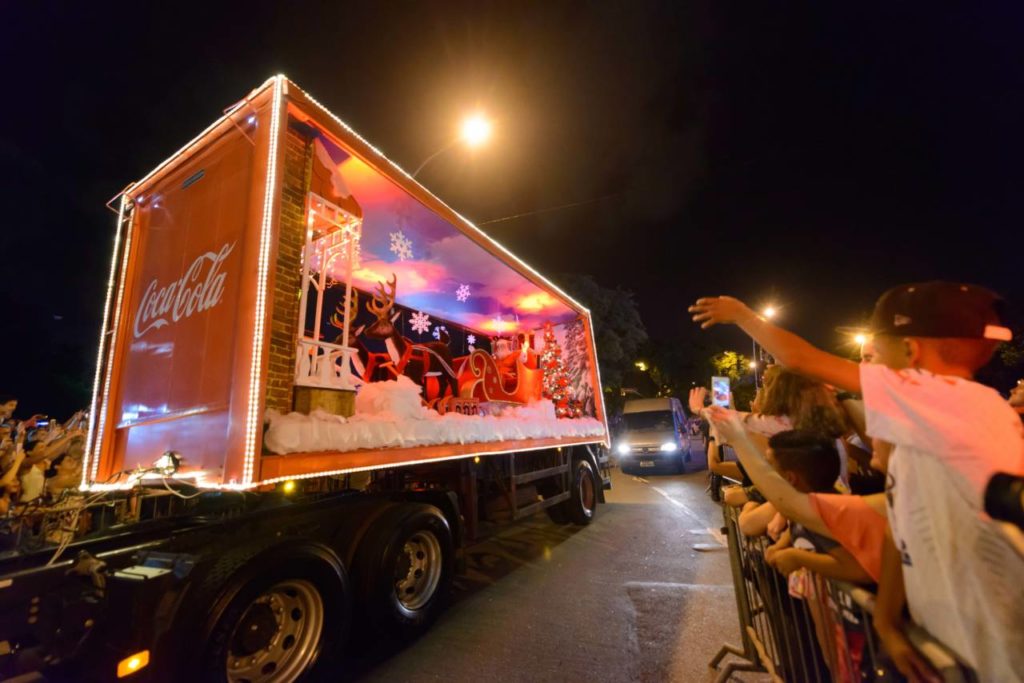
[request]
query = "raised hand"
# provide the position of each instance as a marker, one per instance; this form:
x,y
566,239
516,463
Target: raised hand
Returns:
x,y
697,396
719,310
727,423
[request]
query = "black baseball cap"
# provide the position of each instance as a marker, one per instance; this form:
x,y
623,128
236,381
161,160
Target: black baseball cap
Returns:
x,y
940,309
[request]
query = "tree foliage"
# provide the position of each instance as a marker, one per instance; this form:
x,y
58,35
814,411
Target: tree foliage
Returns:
x,y
731,364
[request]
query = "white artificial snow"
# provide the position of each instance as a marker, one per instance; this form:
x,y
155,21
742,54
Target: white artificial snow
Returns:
x,y
391,415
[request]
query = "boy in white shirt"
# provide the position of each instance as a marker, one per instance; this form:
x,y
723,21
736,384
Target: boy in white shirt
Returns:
x,y
950,563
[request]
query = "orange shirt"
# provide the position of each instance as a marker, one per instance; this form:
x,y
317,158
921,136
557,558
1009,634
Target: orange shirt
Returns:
x,y
856,525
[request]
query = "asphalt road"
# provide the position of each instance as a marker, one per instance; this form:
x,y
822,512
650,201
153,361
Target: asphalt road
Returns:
x,y
627,598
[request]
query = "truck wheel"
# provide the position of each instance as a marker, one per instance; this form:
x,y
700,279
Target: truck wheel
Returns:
x,y
405,567
277,623
582,505
557,514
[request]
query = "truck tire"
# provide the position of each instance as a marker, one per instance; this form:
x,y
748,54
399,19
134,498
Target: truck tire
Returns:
x,y
273,618
548,488
403,570
557,513
582,504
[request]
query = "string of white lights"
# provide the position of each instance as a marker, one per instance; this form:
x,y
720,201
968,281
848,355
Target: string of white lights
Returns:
x,y
112,351
385,466
89,442
468,223
244,102
254,420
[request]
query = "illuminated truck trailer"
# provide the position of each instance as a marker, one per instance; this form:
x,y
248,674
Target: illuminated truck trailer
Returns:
x,y
316,382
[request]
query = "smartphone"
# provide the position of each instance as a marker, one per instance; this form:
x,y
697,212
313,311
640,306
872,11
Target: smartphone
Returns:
x,y
42,422
720,391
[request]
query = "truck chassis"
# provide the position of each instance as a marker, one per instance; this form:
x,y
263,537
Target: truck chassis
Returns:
x,y
266,585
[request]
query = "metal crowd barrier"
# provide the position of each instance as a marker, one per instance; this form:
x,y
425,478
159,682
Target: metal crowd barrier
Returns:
x,y
825,636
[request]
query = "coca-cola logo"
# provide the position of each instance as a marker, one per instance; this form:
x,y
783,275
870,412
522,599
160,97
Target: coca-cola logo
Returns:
x,y
200,288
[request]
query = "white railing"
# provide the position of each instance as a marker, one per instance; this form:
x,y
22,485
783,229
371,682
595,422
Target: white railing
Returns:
x,y
325,365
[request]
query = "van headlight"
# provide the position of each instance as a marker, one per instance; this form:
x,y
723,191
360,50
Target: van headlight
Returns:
x,y
623,449
669,447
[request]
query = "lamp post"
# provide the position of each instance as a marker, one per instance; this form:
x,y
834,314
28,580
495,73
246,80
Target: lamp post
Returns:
x,y
474,132
769,313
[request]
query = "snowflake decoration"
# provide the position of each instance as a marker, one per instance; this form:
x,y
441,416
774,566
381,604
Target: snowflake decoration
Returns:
x,y
420,322
462,293
437,331
471,339
401,246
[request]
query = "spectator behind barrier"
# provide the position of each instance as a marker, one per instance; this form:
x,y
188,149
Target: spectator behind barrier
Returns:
x,y
37,463
855,522
786,401
951,564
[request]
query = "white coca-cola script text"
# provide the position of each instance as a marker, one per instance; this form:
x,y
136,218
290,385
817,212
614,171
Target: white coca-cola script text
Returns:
x,y
200,288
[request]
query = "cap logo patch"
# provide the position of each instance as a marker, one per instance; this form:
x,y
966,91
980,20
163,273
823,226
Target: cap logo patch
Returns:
x,y
901,320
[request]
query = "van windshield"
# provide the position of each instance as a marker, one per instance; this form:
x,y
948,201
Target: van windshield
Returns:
x,y
656,419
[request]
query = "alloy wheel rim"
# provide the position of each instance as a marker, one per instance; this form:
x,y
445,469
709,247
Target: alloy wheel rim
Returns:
x,y
278,636
418,571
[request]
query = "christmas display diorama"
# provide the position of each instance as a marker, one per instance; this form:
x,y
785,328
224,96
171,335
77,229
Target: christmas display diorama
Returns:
x,y
469,363
341,317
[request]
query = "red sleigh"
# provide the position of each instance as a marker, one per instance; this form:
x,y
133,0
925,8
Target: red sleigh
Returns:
x,y
483,378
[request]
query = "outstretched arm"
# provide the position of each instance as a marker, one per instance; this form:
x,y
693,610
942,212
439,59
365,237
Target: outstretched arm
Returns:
x,y
787,500
787,348
836,564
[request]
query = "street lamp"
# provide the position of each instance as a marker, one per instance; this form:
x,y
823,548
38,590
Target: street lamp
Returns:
x,y
768,312
474,132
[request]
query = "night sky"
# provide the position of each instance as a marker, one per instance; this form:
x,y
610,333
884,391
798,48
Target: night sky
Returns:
x,y
811,156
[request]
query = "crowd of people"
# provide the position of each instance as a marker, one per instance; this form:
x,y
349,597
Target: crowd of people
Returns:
x,y
40,458
876,473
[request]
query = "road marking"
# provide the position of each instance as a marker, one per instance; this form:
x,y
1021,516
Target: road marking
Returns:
x,y
675,502
666,584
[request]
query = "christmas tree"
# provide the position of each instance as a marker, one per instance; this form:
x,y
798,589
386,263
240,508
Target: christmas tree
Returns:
x,y
578,367
556,379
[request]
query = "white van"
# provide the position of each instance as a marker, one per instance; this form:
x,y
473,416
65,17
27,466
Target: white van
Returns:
x,y
655,435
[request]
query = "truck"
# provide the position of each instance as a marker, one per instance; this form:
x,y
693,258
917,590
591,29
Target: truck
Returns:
x,y
316,384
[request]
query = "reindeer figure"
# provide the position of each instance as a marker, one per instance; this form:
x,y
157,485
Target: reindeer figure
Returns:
x,y
415,361
337,321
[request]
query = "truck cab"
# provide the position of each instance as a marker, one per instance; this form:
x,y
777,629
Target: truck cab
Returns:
x,y
654,436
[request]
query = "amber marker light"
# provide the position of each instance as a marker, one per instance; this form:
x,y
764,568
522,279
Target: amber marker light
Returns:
x,y
136,662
